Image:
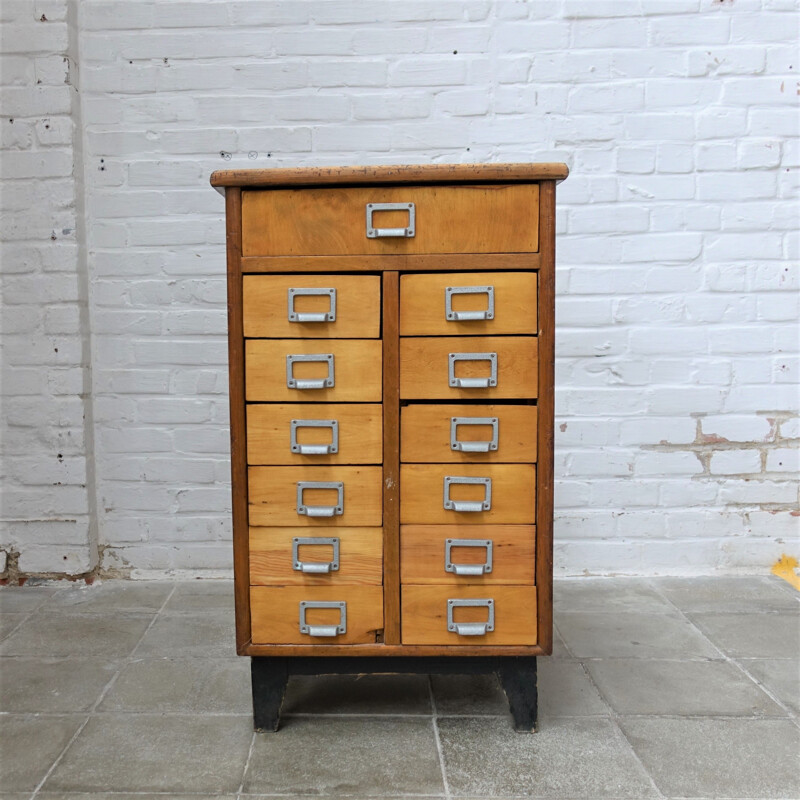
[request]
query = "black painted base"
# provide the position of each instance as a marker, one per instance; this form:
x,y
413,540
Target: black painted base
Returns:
x,y
517,677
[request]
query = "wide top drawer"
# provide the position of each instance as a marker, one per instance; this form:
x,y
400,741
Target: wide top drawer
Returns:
x,y
391,220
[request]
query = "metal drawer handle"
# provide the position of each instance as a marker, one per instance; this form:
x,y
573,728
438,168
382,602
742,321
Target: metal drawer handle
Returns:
x,y
320,511
315,449
321,316
470,628
473,447
377,233
468,569
315,383
468,505
467,316
323,630
472,383
315,567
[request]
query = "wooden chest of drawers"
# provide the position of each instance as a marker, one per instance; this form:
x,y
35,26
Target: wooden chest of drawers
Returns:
x,y
391,389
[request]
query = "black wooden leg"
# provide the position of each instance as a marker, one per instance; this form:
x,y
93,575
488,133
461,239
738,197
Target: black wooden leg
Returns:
x,y
269,677
518,679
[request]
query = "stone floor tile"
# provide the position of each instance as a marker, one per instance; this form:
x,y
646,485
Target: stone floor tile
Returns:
x,y
698,688
484,757
607,595
632,635
351,694
559,648
728,593
49,634
780,676
54,685
731,758
182,685
752,635
127,796
566,691
24,599
344,756
29,746
469,694
198,597
156,753
190,635
8,622
108,597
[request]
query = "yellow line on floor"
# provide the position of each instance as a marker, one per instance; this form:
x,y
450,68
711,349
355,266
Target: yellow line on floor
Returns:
x,y
785,568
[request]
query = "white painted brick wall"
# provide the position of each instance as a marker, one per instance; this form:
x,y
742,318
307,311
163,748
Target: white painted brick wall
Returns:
x,y
677,432
46,518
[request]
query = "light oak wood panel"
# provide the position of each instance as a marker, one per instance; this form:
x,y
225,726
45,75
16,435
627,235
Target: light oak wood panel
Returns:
x,y
449,219
360,556
394,173
269,425
273,496
424,366
423,304
424,610
357,370
391,459
513,494
546,405
419,262
275,613
233,235
266,306
425,433
423,549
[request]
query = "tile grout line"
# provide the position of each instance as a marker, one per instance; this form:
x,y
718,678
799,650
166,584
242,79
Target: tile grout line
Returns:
x,y
240,790
448,795
123,663
726,658
613,718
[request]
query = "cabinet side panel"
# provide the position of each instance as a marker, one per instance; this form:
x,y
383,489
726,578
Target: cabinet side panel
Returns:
x,y
391,457
544,473
241,559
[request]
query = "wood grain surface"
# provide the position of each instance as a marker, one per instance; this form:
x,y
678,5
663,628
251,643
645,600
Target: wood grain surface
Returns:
x,y
360,428
360,556
448,219
424,610
401,173
422,555
266,306
423,303
513,494
424,367
357,370
273,496
391,459
425,433
276,613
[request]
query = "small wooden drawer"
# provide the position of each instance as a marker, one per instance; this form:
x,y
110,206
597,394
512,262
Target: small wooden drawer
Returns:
x,y
347,370
498,218
511,609
294,496
310,557
278,611
460,554
468,367
468,433
314,433
468,303
509,491
312,306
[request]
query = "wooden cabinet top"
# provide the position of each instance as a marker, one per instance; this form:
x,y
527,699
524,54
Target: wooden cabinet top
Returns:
x,y
430,173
